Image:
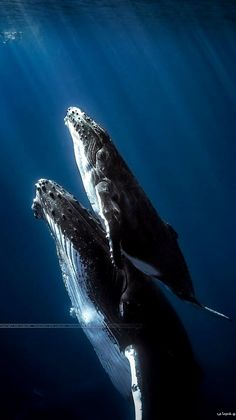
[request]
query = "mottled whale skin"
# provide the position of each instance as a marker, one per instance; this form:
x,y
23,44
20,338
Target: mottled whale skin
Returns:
x,y
145,351
133,226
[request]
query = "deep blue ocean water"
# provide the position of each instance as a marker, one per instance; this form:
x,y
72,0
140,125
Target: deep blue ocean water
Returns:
x,y
160,76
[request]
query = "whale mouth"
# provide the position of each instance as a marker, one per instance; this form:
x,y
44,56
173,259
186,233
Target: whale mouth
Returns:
x,y
37,205
47,194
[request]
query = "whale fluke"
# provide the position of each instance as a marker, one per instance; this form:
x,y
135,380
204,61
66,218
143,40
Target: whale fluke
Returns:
x,y
218,314
213,311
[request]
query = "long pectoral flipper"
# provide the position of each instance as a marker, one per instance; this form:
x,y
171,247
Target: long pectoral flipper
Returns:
x,y
110,213
131,354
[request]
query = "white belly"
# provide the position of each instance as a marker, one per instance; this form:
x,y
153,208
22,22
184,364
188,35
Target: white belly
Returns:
x,y
85,168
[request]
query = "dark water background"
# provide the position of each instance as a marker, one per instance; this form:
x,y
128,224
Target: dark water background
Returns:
x,y
160,76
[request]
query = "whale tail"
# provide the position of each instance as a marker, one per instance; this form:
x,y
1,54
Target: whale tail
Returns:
x,y
195,302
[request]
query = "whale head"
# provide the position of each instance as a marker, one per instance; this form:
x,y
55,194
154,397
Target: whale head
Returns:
x,y
93,284
85,130
67,219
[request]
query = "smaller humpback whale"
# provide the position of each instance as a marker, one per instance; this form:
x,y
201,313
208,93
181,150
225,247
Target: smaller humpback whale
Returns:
x,y
146,351
133,226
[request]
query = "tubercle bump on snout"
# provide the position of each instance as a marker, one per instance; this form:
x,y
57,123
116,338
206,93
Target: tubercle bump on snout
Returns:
x,y
37,209
51,200
43,186
78,118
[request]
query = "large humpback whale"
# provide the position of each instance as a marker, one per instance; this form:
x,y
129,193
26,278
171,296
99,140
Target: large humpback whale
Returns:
x,y
133,226
145,352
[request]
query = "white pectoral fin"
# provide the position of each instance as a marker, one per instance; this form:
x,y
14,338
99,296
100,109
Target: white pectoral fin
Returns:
x,y
132,356
110,213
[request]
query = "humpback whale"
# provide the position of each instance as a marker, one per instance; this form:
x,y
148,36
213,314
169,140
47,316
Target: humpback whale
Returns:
x,y
133,226
146,351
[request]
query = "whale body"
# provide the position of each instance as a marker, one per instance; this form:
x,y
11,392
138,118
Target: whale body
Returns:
x,y
133,226
136,334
